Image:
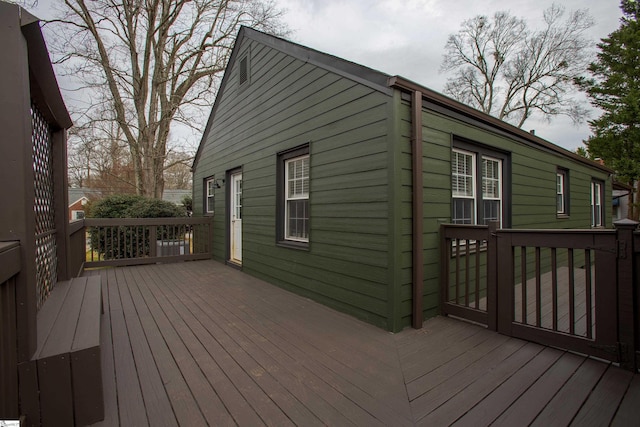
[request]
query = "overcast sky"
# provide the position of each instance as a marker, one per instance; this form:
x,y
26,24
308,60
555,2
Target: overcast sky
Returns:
x,y
407,37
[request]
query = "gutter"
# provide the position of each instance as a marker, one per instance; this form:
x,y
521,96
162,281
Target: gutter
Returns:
x,y
417,217
513,132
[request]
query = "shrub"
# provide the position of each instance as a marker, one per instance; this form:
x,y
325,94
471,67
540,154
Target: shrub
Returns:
x,y
130,241
187,203
112,206
153,208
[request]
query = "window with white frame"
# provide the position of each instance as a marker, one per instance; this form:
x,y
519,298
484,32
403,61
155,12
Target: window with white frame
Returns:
x,y
297,199
562,193
491,189
209,199
77,214
292,191
476,200
597,212
463,187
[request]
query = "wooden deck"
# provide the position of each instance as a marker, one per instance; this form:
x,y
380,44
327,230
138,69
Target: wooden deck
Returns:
x,y
200,343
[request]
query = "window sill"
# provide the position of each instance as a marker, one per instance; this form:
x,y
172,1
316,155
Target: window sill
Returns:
x,y
290,244
562,216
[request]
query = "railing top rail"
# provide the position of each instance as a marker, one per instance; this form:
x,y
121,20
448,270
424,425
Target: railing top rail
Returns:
x,y
575,239
5,246
464,226
75,226
470,232
9,260
113,222
560,231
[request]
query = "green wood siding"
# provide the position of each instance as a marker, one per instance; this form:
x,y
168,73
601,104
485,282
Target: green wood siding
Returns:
x,y
533,188
289,103
359,257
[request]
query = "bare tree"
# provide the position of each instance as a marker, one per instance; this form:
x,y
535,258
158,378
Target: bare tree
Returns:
x,y
505,69
177,173
158,61
98,155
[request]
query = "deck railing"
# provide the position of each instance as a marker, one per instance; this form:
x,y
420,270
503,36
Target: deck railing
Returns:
x,y
571,289
100,242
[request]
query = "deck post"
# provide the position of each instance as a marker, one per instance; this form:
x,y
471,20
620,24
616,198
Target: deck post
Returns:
x,y
492,276
627,310
505,283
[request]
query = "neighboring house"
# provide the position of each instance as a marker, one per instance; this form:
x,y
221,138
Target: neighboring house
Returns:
x,y
311,166
175,196
78,198
620,200
76,209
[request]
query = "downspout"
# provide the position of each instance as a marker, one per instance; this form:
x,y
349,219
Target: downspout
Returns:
x,y
416,202
417,217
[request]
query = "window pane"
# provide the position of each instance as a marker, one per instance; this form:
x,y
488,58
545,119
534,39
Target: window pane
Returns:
x,y
560,203
463,211
596,205
462,175
298,177
209,196
561,192
490,178
491,211
238,199
298,219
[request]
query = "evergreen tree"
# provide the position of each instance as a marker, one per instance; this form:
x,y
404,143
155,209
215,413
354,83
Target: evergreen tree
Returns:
x,y
615,89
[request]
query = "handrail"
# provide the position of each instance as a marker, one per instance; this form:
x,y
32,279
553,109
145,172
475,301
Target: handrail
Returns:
x,y
131,241
112,222
9,260
75,226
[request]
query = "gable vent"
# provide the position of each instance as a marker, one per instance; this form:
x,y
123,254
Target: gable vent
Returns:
x,y
244,70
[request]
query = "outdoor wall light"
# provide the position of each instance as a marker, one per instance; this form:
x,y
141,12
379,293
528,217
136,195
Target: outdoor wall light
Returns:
x,y
219,183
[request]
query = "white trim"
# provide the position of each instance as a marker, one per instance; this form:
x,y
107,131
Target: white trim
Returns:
x,y
82,199
561,192
210,185
298,193
596,203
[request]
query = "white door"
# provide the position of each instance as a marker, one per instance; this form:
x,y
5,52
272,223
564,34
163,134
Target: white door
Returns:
x,y
236,218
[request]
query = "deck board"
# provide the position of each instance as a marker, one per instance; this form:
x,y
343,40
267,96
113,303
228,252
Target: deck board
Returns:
x,y
127,384
529,404
201,343
319,366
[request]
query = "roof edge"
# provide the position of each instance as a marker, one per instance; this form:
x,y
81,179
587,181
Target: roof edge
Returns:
x,y
374,79
450,103
41,68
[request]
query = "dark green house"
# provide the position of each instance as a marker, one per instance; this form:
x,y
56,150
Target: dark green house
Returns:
x,y
324,175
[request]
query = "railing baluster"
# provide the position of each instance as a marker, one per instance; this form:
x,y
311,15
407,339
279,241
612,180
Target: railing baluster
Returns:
x,y
478,274
457,275
572,297
554,288
523,279
538,290
466,271
588,306
446,267
153,237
